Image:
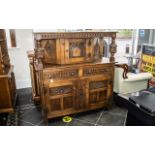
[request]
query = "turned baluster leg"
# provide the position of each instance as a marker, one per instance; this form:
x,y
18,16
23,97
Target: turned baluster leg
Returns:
x,y
101,47
113,47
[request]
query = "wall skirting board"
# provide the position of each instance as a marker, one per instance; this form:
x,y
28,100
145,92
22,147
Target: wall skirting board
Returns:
x,y
23,83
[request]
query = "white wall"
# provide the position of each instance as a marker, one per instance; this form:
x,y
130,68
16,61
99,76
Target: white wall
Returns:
x,y
121,47
19,58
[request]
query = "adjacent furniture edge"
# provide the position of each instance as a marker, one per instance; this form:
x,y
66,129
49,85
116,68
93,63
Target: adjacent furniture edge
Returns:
x,y
125,68
33,71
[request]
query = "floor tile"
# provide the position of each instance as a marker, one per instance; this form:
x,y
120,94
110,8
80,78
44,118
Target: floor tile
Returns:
x,y
3,119
32,115
22,100
24,91
76,122
56,122
91,116
24,123
109,119
24,96
118,110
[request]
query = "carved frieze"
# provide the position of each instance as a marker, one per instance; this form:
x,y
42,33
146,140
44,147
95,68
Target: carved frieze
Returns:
x,y
70,35
61,90
96,71
97,84
77,48
62,74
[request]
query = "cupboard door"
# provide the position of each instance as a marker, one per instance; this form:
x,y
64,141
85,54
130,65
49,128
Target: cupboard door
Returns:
x,y
50,47
78,50
98,92
60,97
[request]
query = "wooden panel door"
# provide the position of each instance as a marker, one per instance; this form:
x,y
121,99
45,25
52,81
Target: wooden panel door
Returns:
x,y
50,50
97,92
78,50
60,98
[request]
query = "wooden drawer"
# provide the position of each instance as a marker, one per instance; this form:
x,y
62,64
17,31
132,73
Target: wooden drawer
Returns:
x,y
80,71
61,74
97,70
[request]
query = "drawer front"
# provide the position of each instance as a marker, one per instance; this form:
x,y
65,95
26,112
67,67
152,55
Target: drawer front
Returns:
x,y
81,71
95,70
61,74
60,90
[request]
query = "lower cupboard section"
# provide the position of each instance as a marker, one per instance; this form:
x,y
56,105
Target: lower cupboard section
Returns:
x,y
74,96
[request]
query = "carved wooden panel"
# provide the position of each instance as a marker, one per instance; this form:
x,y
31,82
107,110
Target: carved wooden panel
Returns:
x,y
68,102
57,75
55,104
102,96
49,47
60,96
93,98
98,91
97,84
72,35
97,70
97,97
97,49
77,48
4,56
61,90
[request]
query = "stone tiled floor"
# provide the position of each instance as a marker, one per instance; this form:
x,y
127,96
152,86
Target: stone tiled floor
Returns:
x,y
30,114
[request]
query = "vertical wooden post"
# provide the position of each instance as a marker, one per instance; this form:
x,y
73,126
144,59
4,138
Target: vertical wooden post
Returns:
x,y
38,44
101,47
1,65
113,47
13,38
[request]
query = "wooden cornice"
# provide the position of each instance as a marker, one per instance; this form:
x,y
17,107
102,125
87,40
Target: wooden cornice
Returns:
x,y
75,35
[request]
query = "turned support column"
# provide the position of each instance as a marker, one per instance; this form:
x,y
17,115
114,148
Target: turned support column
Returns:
x,y
113,47
101,47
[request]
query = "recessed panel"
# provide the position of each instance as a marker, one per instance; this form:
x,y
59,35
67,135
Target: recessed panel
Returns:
x,y
77,48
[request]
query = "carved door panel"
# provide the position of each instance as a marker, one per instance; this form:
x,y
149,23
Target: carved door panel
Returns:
x,y
78,50
60,97
49,47
98,91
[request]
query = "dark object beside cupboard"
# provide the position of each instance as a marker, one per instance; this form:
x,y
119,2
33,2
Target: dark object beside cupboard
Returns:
x,y
69,74
140,106
7,78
